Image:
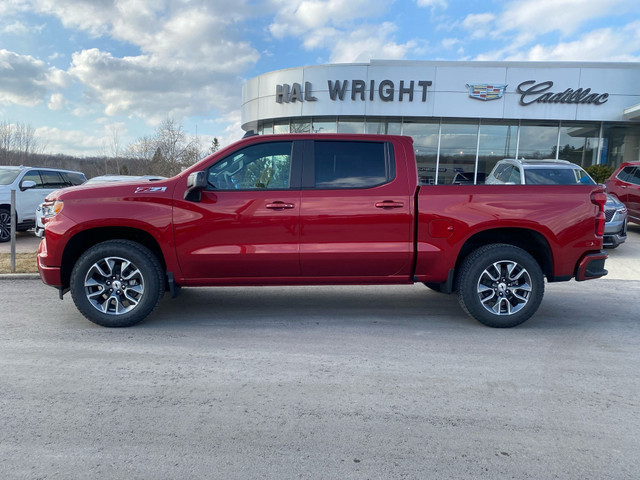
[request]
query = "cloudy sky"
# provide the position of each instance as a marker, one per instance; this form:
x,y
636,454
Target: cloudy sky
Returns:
x,y
78,70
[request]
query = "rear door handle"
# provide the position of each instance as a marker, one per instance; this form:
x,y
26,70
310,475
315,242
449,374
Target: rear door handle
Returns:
x,y
280,205
389,204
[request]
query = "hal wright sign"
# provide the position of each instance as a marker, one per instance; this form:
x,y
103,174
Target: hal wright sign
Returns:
x,y
530,92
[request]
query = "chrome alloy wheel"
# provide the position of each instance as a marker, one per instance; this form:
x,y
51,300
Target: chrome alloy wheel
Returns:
x,y
504,287
114,285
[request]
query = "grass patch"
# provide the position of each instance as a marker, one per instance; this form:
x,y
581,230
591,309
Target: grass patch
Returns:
x,y
25,263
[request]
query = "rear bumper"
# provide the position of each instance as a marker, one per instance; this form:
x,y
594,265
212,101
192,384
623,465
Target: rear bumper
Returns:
x,y
591,266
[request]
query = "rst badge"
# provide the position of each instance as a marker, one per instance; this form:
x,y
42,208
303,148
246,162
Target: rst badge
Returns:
x,y
150,189
486,91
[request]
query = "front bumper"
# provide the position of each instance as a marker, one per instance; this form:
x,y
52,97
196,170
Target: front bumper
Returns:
x,y
49,275
614,235
591,266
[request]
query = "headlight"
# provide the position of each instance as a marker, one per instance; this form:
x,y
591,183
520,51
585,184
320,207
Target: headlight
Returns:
x,y
51,209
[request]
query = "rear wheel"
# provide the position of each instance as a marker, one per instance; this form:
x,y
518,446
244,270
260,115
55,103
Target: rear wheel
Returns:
x,y
500,285
117,283
5,225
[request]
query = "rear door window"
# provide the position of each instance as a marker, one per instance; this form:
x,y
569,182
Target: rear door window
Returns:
x,y
52,179
347,164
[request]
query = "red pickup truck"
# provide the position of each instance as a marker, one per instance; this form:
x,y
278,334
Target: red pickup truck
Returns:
x,y
309,209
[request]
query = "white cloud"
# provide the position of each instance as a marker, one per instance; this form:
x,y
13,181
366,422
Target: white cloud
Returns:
x,y
25,80
367,42
56,101
72,142
334,25
432,3
600,45
535,17
299,17
604,45
21,29
191,55
144,87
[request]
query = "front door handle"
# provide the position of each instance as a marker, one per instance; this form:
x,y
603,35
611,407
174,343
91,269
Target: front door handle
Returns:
x,y
280,205
389,204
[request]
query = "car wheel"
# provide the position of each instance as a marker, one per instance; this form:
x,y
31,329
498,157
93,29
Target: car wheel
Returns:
x,y
117,283
500,285
5,225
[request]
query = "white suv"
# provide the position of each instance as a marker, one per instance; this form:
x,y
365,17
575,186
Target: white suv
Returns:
x,y
561,172
32,185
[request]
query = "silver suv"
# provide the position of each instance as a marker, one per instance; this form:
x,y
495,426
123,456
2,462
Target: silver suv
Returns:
x,y
561,172
32,185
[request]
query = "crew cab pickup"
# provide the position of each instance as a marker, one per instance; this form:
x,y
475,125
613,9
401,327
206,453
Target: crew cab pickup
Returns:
x,y
314,209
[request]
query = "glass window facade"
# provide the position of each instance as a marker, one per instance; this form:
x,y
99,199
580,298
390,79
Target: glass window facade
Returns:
x,y
463,151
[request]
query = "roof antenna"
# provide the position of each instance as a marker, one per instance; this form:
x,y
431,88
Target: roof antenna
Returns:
x,y
250,133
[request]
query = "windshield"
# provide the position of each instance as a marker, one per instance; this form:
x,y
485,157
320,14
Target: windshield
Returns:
x,y
7,176
557,176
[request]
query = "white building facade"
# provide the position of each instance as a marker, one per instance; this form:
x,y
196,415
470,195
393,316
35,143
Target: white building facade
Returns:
x,y
463,116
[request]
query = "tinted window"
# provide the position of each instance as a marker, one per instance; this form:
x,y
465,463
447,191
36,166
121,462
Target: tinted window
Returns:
x,y
34,176
261,166
626,173
505,173
72,178
636,177
515,176
52,179
351,164
556,176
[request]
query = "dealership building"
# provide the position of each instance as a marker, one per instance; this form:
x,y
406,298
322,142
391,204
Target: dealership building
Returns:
x,y
463,116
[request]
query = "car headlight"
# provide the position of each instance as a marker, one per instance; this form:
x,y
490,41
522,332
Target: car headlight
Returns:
x,y
51,209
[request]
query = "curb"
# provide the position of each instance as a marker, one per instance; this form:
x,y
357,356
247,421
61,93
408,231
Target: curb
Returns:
x,y
19,276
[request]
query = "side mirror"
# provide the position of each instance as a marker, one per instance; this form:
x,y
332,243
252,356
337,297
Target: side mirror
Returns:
x,y
196,182
27,184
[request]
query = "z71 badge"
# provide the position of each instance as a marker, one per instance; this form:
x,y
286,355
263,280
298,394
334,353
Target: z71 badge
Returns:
x,y
150,189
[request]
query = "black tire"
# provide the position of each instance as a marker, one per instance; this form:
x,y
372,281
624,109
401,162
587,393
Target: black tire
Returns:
x,y
5,225
117,283
500,285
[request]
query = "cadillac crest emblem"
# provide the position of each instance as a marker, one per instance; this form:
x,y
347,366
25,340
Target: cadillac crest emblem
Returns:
x,y
486,91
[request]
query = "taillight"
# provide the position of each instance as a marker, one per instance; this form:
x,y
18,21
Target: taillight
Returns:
x,y
599,199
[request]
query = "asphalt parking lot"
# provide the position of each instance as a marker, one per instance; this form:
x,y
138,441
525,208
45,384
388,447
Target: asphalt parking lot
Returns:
x,y
324,382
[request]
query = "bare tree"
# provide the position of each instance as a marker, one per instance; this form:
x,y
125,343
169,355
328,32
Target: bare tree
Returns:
x,y
17,142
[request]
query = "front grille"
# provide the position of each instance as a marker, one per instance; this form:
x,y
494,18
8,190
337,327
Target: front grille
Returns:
x,y
609,213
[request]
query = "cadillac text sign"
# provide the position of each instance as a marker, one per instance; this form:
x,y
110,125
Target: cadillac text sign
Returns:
x,y
532,92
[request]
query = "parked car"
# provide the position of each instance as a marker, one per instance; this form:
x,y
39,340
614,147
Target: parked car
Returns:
x,y
32,185
624,184
561,172
39,229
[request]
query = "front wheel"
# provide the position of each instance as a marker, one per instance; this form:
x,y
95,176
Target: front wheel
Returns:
x,y
500,285
117,283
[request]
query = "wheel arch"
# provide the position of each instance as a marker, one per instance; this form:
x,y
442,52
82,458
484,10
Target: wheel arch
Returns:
x,y
86,239
529,240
